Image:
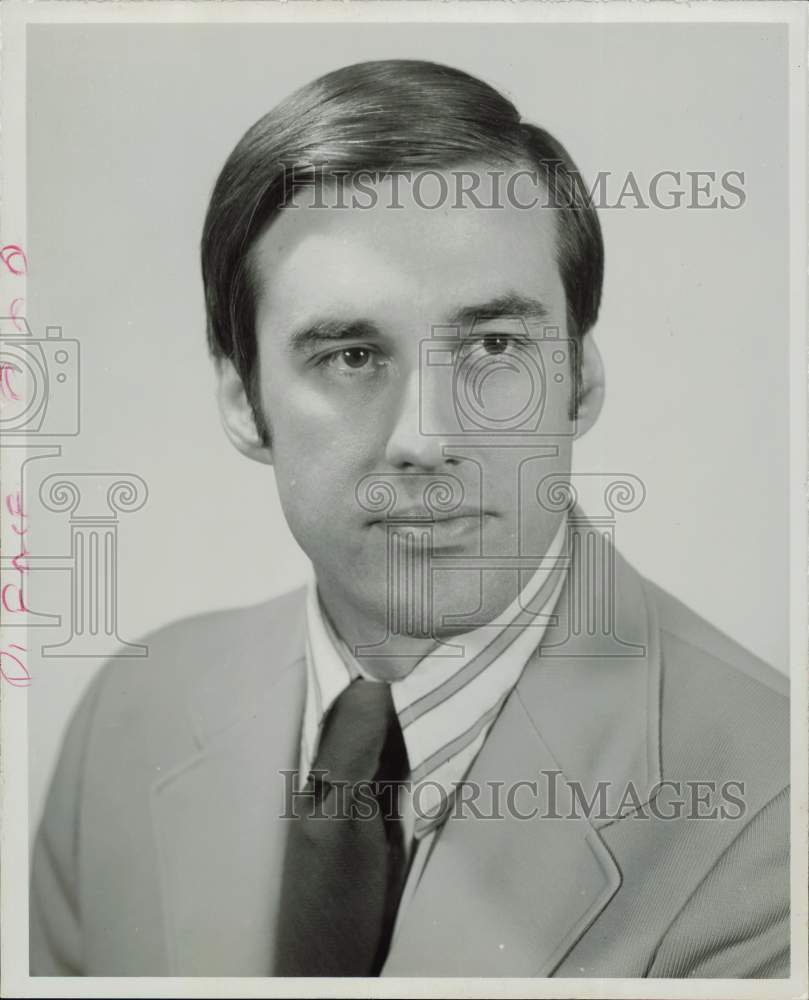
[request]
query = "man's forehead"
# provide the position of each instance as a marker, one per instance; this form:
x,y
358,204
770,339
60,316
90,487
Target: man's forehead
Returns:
x,y
333,251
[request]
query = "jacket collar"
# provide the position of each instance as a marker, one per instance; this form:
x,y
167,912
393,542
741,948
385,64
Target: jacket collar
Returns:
x,y
600,664
240,676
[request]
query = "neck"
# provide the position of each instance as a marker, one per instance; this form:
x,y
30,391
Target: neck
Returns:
x,y
388,661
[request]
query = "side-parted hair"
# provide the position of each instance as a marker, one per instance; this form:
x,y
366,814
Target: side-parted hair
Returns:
x,y
380,117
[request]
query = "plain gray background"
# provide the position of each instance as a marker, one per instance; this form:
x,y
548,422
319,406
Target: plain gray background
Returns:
x,y
128,126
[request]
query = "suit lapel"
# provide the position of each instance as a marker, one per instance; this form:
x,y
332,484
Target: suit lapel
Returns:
x,y
504,896
511,896
216,816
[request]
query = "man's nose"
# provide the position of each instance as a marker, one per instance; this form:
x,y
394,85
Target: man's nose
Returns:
x,y
423,425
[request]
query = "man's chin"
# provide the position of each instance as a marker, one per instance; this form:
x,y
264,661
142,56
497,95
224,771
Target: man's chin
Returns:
x,y
455,602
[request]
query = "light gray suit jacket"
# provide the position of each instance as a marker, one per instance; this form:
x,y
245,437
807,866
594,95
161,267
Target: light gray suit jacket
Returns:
x,y
160,850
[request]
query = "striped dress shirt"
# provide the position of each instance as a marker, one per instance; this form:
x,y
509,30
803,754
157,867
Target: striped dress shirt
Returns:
x,y
447,704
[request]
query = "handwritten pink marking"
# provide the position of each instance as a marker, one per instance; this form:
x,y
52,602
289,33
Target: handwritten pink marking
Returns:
x,y
19,681
15,314
11,252
21,606
14,504
15,561
6,388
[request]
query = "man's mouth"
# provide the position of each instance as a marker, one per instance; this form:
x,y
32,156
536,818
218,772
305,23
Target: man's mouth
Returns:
x,y
446,531
418,515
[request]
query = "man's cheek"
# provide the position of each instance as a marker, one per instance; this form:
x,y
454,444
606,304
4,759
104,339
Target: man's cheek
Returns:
x,y
315,496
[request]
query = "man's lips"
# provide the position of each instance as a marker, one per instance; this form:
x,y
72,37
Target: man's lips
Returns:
x,y
420,516
448,530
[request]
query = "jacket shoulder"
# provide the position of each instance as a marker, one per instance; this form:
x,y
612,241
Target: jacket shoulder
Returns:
x,y
678,621
229,640
724,712
216,662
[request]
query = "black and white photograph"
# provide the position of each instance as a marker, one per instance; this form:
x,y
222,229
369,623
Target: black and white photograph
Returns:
x,y
404,499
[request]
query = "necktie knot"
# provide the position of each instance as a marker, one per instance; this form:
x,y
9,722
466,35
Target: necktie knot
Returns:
x,y
354,733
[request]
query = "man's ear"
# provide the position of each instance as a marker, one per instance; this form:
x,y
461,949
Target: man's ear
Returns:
x,y
237,414
592,385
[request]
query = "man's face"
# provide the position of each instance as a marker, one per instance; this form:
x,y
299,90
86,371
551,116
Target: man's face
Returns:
x,y
407,345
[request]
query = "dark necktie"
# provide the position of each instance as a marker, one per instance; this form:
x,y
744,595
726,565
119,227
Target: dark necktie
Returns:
x,y
344,866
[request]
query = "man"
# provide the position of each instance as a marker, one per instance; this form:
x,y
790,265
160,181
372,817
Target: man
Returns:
x,y
478,744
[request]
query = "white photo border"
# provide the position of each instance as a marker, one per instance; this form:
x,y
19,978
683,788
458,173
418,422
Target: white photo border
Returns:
x,y
16,16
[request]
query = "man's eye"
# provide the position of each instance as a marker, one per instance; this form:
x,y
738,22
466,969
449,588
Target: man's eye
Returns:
x,y
495,344
499,343
348,360
356,357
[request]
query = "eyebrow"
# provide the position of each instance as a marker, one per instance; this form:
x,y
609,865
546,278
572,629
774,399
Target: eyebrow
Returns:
x,y
325,330
511,305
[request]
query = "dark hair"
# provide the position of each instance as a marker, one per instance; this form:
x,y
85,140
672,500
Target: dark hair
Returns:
x,y
379,117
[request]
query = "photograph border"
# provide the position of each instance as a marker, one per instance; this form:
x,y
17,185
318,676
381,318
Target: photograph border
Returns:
x,y
15,17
